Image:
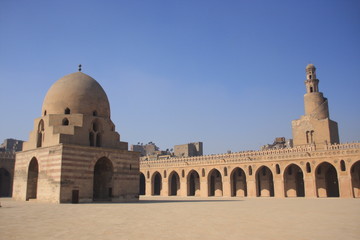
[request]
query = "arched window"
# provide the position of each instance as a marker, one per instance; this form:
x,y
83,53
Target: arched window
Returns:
x,y
98,140
250,170
203,173
95,137
45,113
164,173
40,134
342,165
67,111
94,113
277,169
148,174
308,168
183,173
65,122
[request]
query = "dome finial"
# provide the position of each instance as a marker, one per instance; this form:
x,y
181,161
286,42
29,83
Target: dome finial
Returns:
x,y
79,67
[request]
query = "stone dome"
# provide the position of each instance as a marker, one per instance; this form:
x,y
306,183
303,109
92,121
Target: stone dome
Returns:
x,y
79,93
310,66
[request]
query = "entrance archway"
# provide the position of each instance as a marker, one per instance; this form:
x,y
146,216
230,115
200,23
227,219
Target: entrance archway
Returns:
x,y
156,184
142,185
327,184
238,183
103,179
294,181
215,183
174,184
193,183
5,183
264,182
355,179
32,180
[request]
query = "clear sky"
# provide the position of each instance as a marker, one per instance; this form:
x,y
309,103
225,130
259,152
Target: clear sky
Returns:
x,y
227,73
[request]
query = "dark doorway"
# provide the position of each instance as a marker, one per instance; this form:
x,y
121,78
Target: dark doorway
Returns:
x,y
265,182
174,184
294,181
32,181
327,184
5,183
215,183
355,179
156,184
75,196
238,183
193,184
103,179
142,184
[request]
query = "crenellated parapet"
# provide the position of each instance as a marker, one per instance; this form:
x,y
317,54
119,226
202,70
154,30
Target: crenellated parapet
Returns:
x,y
298,152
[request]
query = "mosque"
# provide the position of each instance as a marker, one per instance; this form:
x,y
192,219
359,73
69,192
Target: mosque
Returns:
x,y
75,155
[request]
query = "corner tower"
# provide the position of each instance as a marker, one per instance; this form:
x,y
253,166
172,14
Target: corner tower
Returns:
x,y
315,127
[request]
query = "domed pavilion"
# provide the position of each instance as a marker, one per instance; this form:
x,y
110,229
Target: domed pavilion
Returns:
x,y
74,153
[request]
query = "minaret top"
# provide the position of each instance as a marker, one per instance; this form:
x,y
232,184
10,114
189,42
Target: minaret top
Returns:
x,y
310,72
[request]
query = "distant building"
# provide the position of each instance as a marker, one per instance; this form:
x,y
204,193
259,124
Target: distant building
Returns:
x,y
189,150
279,143
145,150
7,164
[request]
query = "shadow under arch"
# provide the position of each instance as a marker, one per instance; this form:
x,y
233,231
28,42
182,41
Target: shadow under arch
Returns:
x,y
193,183
355,179
264,182
238,183
103,179
326,178
156,184
294,181
215,186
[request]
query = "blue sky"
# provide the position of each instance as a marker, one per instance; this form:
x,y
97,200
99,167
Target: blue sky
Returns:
x,y
227,73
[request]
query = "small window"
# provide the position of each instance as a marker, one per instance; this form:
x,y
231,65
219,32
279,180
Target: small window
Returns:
x,y
148,174
250,170
310,76
45,113
277,169
225,171
94,113
67,111
182,173
65,122
164,173
203,173
308,168
130,167
342,165
95,127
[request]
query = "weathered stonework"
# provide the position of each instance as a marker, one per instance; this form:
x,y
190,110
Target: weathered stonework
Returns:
x,y
73,153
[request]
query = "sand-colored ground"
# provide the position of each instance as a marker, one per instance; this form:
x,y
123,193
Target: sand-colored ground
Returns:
x,y
194,218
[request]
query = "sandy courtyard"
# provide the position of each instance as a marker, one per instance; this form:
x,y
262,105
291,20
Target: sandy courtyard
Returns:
x,y
194,218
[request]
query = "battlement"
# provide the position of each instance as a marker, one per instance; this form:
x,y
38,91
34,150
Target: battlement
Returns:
x,y
250,156
7,155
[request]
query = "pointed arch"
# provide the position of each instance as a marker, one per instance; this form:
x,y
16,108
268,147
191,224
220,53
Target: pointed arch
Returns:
x,y
65,122
103,179
238,183
294,181
193,183
40,134
327,183
156,184
5,183
142,184
32,179
355,179
264,182
174,184
215,187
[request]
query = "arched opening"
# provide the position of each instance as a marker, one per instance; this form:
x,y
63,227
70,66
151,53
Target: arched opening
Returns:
x,y
193,183
95,137
342,165
5,183
40,134
142,185
67,111
156,184
264,182
174,184
45,113
65,122
308,168
327,184
355,179
103,179
238,183
215,183
294,181
32,180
